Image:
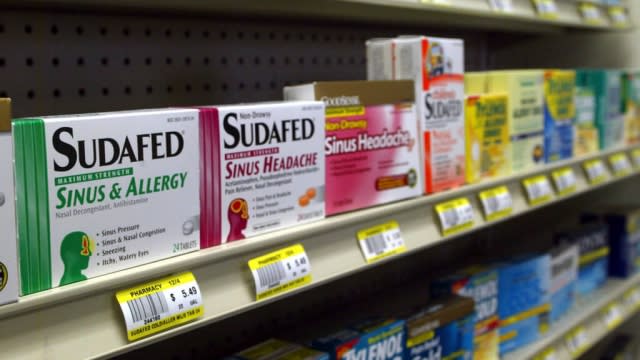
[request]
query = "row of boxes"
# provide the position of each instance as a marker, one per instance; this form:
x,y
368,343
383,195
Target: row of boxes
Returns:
x,y
98,193
484,312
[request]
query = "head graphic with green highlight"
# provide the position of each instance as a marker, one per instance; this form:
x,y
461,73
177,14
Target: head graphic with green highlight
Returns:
x,y
75,252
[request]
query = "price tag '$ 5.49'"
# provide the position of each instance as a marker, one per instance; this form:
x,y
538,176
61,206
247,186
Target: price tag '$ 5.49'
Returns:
x,y
280,271
160,305
455,216
381,241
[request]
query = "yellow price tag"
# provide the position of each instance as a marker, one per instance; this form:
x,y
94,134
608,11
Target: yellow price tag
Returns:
x,y
620,164
160,305
577,341
590,13
565,180
635,155
504,6
632,298
381,241
596,171
496,202
455,216
538,190
546,8
280,271
618,16
438,2
612,315
548,354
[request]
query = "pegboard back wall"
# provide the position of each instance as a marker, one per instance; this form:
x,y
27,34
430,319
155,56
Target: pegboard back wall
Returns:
x,y
57,63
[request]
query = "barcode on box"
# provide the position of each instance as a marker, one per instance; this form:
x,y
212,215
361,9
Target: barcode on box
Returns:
x,y
148,307
271,275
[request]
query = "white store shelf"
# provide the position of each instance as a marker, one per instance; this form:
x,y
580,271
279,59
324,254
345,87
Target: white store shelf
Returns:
x,y
459,13
82,320
586,313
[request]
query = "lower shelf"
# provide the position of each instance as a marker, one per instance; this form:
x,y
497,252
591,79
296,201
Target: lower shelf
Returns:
x,y
589,321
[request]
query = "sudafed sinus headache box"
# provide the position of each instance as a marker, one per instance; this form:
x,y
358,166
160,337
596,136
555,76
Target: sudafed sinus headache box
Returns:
x,y
436,65
98,193
9,253
371,141
264,168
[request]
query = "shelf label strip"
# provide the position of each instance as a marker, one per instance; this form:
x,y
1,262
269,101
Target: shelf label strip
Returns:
x,y
381,241
504,6
455,216
620,164
577,341
546,8
496,203
565,180
280,271
596,171
160,305
612,315
538,189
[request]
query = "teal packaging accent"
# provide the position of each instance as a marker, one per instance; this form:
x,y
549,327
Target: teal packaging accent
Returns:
x,y
593,242
444,330
372,340
565,261
523,300
607,85
559,114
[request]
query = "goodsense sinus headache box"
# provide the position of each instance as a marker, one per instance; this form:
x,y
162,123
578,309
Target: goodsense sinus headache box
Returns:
x,y
9,253
264,168
98,193
371,141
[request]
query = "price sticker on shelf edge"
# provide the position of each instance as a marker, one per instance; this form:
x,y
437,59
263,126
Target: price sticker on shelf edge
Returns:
x,y
632,298
504,6
160,305
548,354
496,203
538,189
565,180
280,271
612,315
381,241
635,155
590,13
596,171
546,8
455,216
620,164
618,15
577,341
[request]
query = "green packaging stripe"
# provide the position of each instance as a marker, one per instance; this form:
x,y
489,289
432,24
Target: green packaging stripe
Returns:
x,y
32,205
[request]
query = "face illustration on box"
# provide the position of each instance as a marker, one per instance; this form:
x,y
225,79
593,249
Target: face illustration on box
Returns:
x,y
238,216
435,64
75,251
